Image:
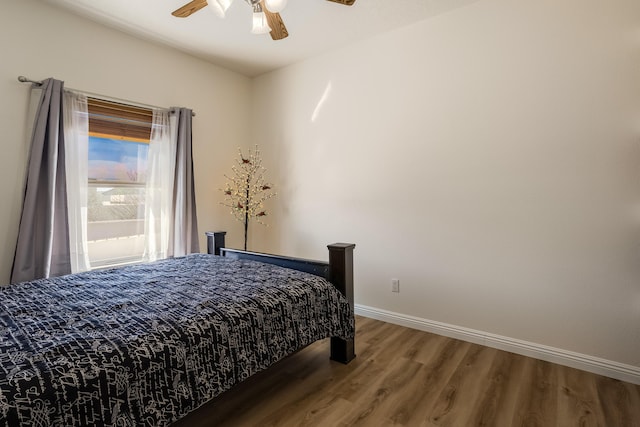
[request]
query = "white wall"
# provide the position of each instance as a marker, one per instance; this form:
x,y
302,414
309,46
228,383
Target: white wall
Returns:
x,y
40,41
489,158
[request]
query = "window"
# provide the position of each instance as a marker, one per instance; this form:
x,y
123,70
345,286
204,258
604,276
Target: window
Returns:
x,y
117,167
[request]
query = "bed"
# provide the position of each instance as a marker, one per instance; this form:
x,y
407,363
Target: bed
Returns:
x,y
149,343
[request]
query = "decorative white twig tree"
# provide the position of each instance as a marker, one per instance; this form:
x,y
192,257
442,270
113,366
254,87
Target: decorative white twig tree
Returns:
x,y
246,190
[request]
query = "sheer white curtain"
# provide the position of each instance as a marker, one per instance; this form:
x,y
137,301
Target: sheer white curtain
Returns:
x,y
159,188
76,136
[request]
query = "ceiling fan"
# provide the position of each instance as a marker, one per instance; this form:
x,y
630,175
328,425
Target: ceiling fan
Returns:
x,y
266,16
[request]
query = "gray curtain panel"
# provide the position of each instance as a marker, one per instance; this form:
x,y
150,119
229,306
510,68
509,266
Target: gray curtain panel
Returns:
x,y
42,249
184,231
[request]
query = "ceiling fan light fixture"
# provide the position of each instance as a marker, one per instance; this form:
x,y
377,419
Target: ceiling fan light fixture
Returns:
x,y
260,24
219,7
276,6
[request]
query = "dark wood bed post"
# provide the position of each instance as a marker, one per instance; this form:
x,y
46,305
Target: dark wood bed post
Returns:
x,y
215,241
341,275
338,271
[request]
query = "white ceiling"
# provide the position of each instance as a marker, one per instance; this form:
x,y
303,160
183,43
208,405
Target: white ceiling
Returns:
x,y
314,26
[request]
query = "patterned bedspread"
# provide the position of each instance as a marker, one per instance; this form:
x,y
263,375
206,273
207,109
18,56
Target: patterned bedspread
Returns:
x,y
146,344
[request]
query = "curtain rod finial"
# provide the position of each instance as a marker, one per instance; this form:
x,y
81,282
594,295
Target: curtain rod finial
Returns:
x,y
24,79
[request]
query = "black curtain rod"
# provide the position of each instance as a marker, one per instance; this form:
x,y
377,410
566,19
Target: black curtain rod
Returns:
x,y
24,79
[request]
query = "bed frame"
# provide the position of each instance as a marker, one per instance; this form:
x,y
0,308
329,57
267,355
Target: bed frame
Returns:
x,y
338,271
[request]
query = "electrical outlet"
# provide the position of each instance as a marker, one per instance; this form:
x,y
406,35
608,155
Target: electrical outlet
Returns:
x,y
395,285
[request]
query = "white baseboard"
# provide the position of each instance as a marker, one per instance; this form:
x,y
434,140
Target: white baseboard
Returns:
x,y
584,362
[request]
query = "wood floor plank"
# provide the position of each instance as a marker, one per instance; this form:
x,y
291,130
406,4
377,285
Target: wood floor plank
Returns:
x,y
618,401
376,398
578,398
537,403
433,378
496,403
404,377
326,415
455,405
393,346
424,348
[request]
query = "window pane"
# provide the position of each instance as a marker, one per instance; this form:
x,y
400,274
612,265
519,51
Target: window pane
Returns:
x,y
115,226
116,197
117,160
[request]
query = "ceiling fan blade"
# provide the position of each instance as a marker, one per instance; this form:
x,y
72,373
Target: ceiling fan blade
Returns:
x,y
344,2
189,8
278,30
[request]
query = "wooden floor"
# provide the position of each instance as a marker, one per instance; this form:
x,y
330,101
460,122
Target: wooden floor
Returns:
x,y
405,377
